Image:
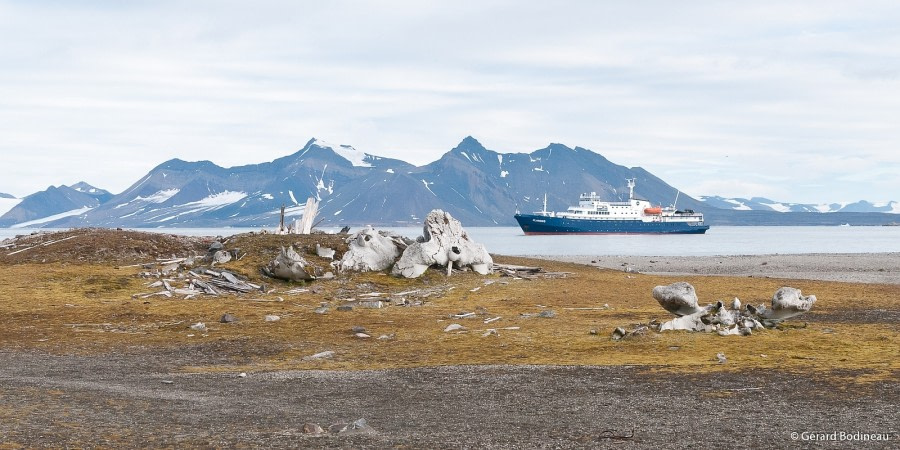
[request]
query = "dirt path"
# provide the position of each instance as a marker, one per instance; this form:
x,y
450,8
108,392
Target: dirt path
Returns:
x,y
137,400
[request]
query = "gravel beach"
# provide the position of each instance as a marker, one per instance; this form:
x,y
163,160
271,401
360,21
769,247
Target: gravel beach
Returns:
x,y
880,268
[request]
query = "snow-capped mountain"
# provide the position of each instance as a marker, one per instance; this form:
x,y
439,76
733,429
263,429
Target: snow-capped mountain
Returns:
x,y
480,187
764,204
52,204
477,185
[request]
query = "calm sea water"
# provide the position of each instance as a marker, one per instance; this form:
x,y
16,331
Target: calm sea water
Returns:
x,y
720,240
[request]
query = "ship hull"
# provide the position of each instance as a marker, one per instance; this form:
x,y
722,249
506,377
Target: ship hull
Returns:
x,y
537,225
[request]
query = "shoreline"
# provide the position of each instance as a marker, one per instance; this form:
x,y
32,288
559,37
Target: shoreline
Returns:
x,y
872,268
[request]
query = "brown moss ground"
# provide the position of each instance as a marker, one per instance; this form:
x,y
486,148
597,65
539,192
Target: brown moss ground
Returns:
x,y
88,308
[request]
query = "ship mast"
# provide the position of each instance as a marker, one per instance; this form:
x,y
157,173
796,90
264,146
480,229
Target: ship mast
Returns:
x,y
630,188
545,203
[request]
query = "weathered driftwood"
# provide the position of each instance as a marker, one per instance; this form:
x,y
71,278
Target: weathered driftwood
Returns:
x,y
288,265
444,243
371,250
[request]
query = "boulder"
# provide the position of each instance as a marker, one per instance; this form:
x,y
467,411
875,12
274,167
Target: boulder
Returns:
x,y
371,250
677,298
289,265
444,242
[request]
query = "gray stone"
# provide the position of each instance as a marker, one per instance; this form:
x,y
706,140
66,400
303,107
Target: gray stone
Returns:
x,y
328,354
358,329
312,429
221,257
345,308
547,314
272,318
228,318
321,310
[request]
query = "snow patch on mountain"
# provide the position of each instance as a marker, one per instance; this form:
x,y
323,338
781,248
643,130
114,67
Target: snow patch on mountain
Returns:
x,y
780,207
429,189
74,212
356,157
218,200
739,206
158,196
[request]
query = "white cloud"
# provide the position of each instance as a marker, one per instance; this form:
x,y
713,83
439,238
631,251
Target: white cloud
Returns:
x,y
759,92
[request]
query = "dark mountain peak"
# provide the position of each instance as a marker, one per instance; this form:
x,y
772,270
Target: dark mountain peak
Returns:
x,y
180,164
83,187
469,144
558,146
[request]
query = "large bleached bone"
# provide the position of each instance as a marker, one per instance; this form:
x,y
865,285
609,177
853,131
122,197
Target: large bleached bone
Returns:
x,y
786,303
677,298
681,299
289,265
443,243
372,250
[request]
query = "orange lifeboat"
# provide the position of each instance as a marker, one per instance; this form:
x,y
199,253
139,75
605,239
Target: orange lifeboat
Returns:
x,y
655,211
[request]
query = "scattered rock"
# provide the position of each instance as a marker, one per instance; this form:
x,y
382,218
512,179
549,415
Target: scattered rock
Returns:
x,y
454,327
199,326
312,429
272,318
228,318
358,329
221,257
321,310
593,332
386,337
345,308
357,426
721,358
362,335
242,375
547,314
489,332
328,354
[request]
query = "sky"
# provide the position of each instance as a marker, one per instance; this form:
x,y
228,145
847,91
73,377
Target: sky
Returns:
x,y
795,101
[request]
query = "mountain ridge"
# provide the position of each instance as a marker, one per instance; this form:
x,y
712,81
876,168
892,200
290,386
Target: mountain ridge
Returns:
x,y
479,186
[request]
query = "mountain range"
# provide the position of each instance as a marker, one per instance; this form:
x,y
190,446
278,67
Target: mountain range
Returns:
x,y
478,186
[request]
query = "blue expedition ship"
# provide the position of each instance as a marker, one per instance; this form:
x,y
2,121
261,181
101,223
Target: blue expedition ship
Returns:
x,y
595,216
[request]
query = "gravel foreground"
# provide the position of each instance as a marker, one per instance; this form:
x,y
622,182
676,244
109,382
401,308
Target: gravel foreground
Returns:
x,y
134,400
879,268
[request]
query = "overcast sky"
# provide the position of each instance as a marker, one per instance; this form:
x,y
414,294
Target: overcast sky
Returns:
x,y
795,101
